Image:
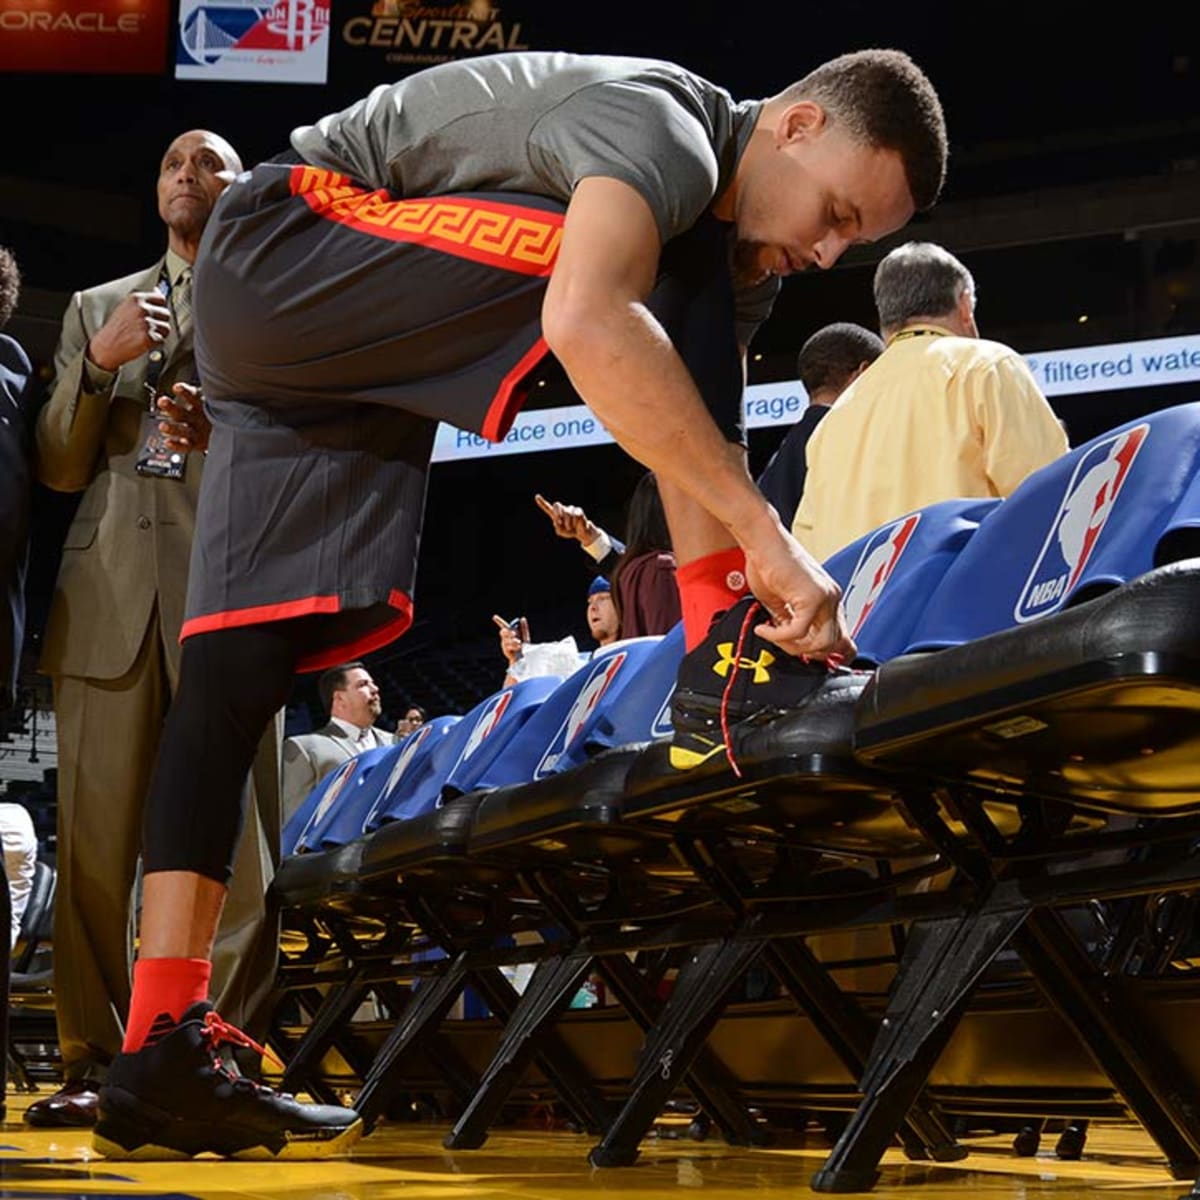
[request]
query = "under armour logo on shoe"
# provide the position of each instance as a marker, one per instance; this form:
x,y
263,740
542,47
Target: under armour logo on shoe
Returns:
x,y
759,666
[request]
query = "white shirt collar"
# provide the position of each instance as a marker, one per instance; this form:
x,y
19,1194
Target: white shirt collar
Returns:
x,y
351,730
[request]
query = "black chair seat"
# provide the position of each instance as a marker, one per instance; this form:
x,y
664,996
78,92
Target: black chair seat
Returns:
x,y
307,880
436,837
799,780
575,812
1096,706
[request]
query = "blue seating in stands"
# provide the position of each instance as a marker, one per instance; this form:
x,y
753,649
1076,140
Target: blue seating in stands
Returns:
x,y
1091,520
559,735
298,833
461,757
887,575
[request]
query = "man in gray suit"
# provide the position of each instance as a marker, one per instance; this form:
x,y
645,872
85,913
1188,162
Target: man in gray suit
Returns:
x,y
125,426
351,697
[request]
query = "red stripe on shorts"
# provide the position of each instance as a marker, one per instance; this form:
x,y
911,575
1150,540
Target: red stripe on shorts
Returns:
x,y
509,236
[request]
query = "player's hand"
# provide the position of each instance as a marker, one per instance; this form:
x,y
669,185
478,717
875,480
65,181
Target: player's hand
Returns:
x,y
569,520
141,321
802,598
185,425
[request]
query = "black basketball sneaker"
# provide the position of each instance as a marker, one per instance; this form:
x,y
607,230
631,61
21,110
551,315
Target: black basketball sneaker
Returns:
x,y
177,1097
731,676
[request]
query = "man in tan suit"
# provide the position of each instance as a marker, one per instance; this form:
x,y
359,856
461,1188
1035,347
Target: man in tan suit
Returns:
x,y
351,698
112,636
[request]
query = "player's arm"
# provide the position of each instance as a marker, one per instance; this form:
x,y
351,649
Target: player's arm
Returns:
x,y
621,361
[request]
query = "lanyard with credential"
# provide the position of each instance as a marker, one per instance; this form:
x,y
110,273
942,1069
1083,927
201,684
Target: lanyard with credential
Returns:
x,y
158,354
904,334
156,458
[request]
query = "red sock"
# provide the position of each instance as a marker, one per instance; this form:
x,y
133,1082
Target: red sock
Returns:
x,y
163,985
708,586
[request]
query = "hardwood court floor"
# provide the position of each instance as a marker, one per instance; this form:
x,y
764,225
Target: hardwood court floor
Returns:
x,y
407,1162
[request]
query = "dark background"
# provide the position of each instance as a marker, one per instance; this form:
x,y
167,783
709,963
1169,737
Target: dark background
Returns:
x,y
1073,192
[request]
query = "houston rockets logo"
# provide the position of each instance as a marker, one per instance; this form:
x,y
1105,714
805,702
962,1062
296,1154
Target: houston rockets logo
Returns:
x,y
876,565
1085,509
590,695
489,719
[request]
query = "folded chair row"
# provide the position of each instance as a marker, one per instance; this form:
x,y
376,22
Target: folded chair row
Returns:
x,y
1003,785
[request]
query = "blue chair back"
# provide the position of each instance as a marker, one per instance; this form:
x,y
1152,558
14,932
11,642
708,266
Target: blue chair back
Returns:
x,y
887,575
406,760
641,710
558,735
1180,537
328,795
457,759
1088,521
500,718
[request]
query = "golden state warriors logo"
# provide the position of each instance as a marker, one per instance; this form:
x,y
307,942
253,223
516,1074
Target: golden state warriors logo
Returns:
x,y
285,41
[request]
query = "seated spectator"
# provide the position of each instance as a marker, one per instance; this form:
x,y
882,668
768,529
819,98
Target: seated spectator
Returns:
x,y
643,581
828,363
351,698
414,717
528,659
641,568
940,414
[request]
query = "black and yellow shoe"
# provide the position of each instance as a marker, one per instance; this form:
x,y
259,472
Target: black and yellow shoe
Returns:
x,y
177,1097
732,676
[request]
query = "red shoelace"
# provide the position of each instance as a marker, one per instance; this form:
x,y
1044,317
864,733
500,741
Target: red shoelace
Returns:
x,y
219,1031
832,663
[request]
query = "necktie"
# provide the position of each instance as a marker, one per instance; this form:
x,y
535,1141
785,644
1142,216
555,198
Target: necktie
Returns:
x,y
181,303
365,739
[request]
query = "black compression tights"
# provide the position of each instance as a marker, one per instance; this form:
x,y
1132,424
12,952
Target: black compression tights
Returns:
x,y
231,684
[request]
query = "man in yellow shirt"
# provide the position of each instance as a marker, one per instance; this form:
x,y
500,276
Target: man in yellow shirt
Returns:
x,y
941,414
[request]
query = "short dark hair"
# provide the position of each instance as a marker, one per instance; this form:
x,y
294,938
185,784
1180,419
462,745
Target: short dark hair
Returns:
x,y
10,285
887,101
832,354
334,680
918,279
417,709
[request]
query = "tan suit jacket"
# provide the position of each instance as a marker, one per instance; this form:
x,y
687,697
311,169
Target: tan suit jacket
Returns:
x,y
111,636
130,542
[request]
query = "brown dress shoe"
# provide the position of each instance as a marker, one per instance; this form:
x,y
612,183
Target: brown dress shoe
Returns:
x,y
74,1104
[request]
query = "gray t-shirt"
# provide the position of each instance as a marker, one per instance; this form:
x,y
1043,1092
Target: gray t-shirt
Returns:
x,y
540,122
